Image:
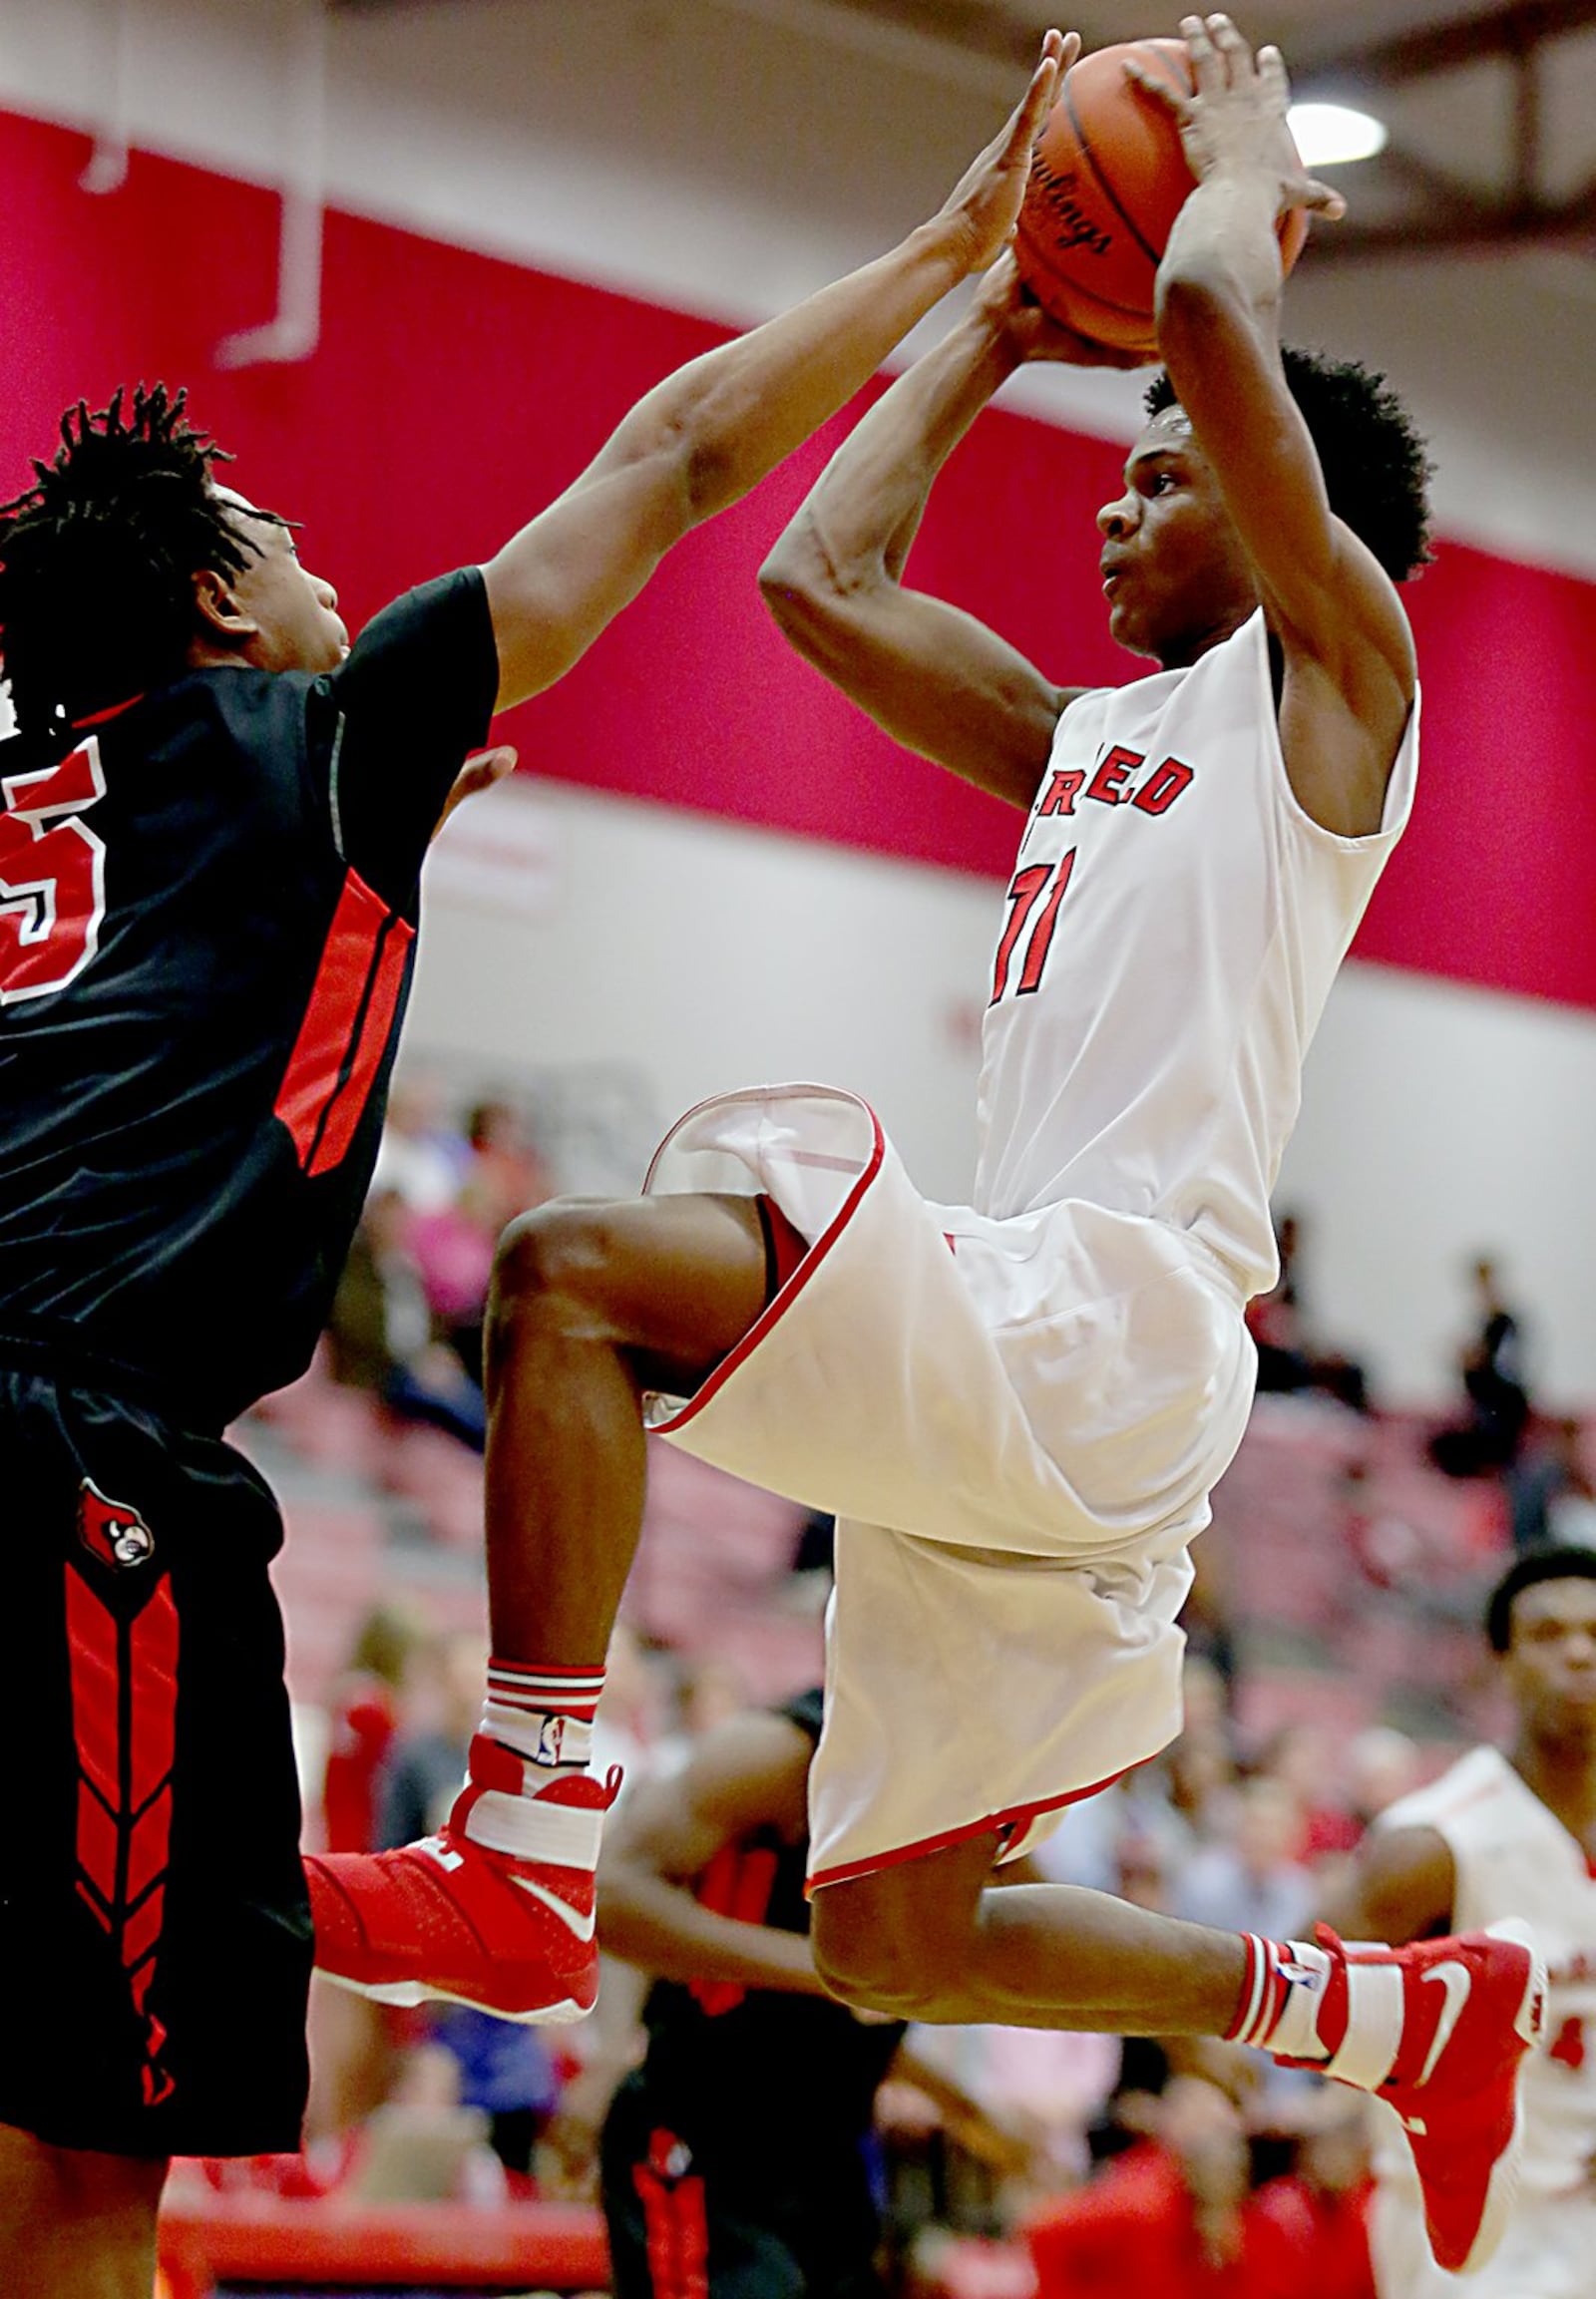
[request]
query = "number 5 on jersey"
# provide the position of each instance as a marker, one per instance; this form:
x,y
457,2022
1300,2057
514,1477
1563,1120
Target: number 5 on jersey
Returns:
x,y
1027,890
52,875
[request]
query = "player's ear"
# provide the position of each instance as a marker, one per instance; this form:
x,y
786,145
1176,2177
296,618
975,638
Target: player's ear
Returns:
x,y
221,613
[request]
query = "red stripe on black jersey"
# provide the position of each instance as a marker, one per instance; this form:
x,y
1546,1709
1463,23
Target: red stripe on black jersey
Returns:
x,y
346,1025
738,1882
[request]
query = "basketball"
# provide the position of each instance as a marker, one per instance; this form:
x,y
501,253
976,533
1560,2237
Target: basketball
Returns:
x,y
1108,179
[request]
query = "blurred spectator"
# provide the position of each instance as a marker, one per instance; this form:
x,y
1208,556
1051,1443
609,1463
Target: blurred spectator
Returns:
x,y
454,1243
1381,1765
1208,1618
427,1764
363,1715
1302,1758
1324,2204
1288,1359
630,1724
1254,1884
1550,1496
381,1330
1497,1399
1174,2218
422,1157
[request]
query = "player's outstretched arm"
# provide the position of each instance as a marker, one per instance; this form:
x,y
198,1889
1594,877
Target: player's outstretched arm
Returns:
x,y
1349,652
937,679
707,435
1400,1887
751,1774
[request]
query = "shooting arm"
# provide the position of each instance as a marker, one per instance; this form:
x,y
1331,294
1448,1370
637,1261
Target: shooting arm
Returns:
x,y
1349,654
937,679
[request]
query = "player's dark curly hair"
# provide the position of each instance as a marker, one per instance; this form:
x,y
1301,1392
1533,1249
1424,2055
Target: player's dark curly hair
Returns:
x,y
1374,460
98,558
1526,1572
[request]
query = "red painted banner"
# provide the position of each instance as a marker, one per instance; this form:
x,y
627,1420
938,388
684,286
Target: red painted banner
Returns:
x,y
454,393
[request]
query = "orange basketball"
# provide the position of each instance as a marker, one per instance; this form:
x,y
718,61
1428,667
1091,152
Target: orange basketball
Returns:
x,y
1108,181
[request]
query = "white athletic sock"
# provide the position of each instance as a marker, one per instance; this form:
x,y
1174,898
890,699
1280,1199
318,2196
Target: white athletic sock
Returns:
x,y
1281,1999
545,1715
1343,2010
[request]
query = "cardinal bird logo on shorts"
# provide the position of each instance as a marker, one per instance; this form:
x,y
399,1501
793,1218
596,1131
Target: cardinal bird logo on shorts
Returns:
x,y
110,1531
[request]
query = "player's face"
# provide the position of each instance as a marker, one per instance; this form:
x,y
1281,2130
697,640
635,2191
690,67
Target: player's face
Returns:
x,y
1175,576
1551,1659
296,614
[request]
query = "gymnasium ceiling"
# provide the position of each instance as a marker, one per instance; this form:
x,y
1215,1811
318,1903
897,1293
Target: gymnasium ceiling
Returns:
x,y
1490,104
1491,108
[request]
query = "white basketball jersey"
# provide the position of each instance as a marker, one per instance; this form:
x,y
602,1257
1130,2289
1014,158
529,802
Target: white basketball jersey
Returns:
x,y
1513,1858
1173,927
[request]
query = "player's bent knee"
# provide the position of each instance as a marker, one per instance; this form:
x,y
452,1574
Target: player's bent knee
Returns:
x,y
872,1969
557,1252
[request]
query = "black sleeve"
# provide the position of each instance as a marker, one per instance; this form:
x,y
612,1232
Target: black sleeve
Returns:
x,y
392,726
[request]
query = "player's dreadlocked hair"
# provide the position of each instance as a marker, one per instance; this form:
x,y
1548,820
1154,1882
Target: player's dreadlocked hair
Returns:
x,y
1374,460
98,558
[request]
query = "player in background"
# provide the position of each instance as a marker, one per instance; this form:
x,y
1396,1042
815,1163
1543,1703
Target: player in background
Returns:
x,y
733,2158
1509,1832
214,817
1016,1410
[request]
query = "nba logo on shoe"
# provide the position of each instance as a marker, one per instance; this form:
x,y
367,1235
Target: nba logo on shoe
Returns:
x,y
110,1531
550,1740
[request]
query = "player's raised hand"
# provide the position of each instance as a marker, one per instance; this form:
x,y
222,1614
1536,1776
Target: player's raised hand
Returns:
x,y
481,771
1235,118
1005,301
984,203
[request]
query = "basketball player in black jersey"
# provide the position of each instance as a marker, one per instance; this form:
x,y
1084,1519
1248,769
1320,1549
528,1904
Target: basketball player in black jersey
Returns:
x,y
733,2158
213,818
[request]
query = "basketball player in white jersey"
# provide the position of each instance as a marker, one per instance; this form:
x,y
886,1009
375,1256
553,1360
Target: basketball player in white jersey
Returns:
x,y
1017,1408
1511,1832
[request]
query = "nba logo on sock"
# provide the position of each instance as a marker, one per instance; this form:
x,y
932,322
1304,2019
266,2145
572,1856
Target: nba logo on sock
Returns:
x,y
110,1531
550,1740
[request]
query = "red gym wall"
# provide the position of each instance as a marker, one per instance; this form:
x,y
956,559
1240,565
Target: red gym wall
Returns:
x,y
454,394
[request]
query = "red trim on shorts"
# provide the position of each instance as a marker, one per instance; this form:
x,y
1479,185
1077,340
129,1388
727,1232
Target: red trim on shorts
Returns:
x,y
813,1256
124,1689
346,1026
788,1244
1015,1821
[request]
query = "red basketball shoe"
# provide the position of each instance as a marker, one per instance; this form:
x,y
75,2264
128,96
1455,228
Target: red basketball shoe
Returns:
x,y
453,1918
1470,2009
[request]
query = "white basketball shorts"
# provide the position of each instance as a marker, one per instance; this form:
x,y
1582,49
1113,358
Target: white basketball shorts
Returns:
x,y
1017,1423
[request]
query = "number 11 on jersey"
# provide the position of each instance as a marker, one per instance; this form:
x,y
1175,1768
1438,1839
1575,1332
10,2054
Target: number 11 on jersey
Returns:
x,y
1027,890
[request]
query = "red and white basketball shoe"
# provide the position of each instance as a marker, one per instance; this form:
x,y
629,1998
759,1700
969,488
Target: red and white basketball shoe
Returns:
x,y
1464,2013
512,1933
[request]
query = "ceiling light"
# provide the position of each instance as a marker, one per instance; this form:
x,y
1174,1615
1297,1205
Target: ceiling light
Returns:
x,y
1331,135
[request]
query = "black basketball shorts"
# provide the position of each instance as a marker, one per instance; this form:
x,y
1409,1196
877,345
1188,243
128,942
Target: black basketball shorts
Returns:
x,y
155,1933
697,2221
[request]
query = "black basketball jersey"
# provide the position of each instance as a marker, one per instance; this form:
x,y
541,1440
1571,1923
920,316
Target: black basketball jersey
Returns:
x,y
761,2072
208,922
